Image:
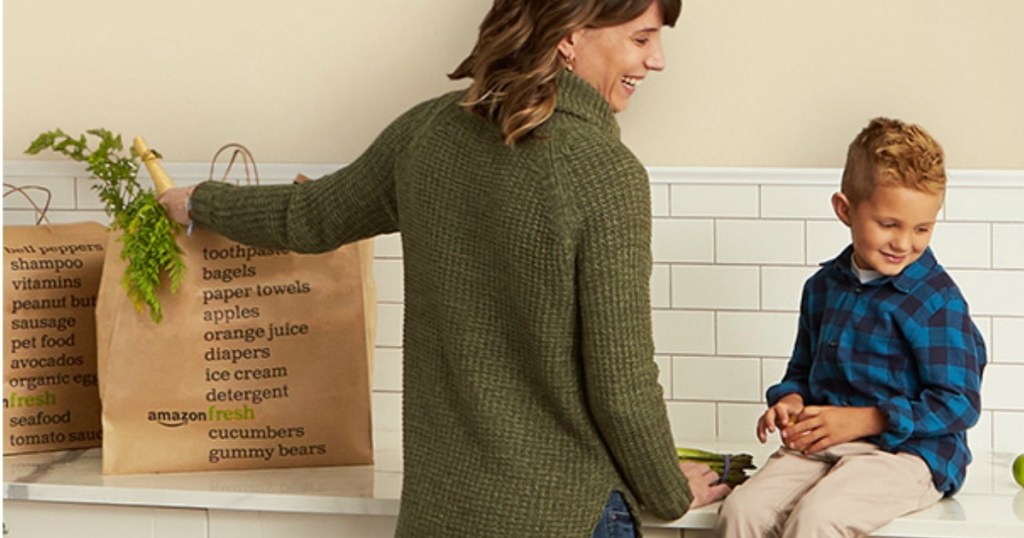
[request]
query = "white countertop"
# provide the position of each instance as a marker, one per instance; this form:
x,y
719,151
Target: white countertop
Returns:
x,y
990,505
74,476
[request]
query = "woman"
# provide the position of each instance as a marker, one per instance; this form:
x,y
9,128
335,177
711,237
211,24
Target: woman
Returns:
x,y
531,402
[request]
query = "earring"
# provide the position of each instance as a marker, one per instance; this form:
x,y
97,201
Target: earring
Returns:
x,y
569,62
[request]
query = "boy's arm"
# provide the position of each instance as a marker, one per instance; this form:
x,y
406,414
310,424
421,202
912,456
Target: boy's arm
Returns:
x,y
949,363
795,381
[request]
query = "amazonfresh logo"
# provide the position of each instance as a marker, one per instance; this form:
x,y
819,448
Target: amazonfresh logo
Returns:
x,y
178,418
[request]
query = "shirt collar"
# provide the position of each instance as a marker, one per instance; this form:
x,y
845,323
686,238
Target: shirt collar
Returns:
x,y
578,98
904,281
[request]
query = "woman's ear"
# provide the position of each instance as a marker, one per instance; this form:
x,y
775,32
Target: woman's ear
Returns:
x,y
841,205
567,47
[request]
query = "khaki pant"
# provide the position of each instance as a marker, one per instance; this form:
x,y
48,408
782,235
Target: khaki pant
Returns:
x,y
850,489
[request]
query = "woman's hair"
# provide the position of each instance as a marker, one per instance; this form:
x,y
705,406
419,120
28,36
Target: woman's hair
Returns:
x,y
515,60
892,153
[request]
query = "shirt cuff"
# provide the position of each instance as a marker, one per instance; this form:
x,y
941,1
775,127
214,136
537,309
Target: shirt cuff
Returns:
x,y
776,392
900,422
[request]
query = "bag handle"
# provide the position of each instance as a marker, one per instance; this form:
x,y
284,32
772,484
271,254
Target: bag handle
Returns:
x,y
247,159
9,189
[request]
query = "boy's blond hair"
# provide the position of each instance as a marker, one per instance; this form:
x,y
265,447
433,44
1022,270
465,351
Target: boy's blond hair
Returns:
x,y
893,153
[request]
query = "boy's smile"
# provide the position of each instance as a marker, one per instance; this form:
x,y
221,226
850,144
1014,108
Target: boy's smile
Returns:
x,y
891,229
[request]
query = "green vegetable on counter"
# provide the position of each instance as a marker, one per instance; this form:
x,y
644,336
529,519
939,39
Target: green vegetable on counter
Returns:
x,y
732,468
149,238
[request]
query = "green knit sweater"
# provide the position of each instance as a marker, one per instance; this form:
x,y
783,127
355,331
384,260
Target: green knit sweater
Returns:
x,y
530,389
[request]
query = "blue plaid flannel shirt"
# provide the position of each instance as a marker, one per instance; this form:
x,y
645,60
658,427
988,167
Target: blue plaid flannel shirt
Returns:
x,y
905,344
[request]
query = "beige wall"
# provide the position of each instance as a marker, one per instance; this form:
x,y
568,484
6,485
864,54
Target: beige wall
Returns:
x,y
749,83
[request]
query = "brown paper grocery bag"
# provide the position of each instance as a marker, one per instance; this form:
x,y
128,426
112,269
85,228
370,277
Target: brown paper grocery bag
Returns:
x,y
262,360
51,276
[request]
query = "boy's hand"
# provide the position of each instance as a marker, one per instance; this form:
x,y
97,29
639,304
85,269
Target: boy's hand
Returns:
x,y
703,483
820,427
782,414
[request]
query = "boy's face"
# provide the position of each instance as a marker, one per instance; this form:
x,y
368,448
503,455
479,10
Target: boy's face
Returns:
x,y
891,229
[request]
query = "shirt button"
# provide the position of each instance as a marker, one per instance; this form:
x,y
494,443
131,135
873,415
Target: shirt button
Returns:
x,y
833,344
858,289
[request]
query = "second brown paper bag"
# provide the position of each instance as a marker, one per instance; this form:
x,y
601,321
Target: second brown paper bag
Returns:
x,y
262,360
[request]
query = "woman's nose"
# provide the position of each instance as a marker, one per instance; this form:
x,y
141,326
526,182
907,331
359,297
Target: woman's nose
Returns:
x,y
656,60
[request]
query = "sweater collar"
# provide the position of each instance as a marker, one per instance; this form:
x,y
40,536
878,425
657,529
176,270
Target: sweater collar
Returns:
x,y
578,98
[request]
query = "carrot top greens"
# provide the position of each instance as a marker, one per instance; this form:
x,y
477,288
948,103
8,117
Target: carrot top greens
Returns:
x,y
148,236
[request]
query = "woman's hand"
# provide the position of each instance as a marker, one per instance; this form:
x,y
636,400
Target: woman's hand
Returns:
x,y
820,427
176,202
703,484
780,415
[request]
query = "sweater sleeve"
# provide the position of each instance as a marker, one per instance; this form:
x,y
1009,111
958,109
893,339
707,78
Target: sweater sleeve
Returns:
x,y
355,202
622,390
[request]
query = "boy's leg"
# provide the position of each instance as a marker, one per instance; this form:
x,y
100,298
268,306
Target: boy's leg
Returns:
x,y
759,507
866,488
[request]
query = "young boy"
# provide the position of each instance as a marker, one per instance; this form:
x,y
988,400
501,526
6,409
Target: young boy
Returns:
x,y
885,374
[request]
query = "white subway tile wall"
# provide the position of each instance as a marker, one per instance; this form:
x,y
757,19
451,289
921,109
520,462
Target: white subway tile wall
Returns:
x,y
781,287
1008,246
715,286
389,271
991,292
692,422
665,374
714,201
732,249
1001,389
772,371
716,378
756,333
978,204
736,422
681,331
980,437
760,241
825,239
1007,341
682,241
661,286
797,202
964,245
660,204
389,322
1007,427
